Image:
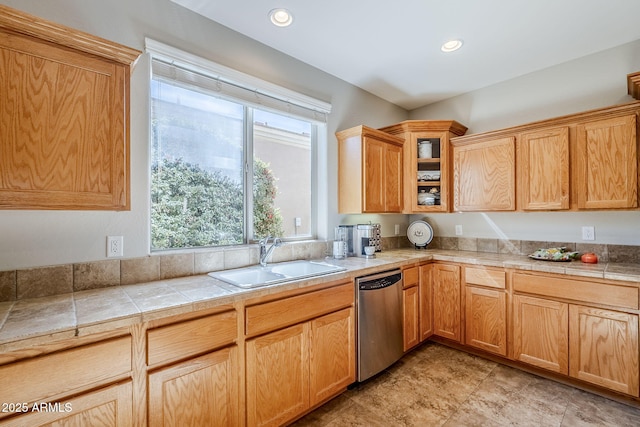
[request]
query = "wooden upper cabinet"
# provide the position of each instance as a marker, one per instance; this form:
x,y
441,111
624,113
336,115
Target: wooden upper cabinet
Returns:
x,y
426,174
64,117
484,175
606,175
543,169
370,171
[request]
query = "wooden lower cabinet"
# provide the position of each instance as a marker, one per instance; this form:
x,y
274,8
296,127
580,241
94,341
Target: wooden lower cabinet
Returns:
x,y
541,333
411,312
292,369
201,391
603,348
426,301
278,376
110,407
410,307
590,344
486,319
332,354
446,301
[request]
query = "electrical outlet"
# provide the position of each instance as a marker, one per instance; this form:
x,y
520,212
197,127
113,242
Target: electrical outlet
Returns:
x,y
298,221
458,230
396,229
114,246
588,233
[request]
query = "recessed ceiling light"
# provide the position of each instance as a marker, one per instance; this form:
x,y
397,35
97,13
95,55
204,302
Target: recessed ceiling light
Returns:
x,y
451,45
281,17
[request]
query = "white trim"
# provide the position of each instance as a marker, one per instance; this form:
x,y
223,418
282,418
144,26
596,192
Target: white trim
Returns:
x,y
195,63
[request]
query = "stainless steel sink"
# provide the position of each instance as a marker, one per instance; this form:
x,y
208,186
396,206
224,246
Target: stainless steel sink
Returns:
x,y
256,276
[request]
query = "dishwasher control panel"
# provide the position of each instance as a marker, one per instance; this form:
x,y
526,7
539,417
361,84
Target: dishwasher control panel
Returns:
x,y
369,283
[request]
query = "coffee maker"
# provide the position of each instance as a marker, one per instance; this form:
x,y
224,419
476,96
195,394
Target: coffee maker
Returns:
x,y
356,237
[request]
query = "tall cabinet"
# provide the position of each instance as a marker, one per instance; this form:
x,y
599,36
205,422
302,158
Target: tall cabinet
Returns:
x,y
427,179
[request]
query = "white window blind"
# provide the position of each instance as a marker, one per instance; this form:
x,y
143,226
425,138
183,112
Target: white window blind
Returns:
x,y
185,68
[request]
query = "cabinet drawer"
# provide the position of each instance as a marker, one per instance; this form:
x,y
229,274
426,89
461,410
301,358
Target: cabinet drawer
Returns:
x,y
484,277
174,342
410,277
288,311
595,293
63,372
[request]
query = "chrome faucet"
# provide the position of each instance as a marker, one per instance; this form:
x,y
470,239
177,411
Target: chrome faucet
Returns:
x,y
264,252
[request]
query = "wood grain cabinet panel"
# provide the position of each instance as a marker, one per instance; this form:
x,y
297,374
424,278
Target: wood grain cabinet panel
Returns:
x,y
604,348
278,376
446,301
426,301
88,366
64,117
200,392
303,364
543,169
109,407
332,354
486,319
541,333
411,314
484,175
179,341
370,171
606,163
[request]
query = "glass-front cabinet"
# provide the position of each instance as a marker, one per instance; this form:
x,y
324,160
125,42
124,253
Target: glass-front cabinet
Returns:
x,y
427,166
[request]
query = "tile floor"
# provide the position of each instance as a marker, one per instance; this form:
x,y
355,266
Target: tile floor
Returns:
x,y
438,386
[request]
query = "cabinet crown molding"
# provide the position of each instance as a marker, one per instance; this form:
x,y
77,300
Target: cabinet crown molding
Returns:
x,y
426,126
12,20
576,118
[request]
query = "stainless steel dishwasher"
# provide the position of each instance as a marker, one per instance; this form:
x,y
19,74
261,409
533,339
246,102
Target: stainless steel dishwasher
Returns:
x,y
379,322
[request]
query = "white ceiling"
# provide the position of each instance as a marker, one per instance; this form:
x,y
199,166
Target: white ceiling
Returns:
x,y
392,48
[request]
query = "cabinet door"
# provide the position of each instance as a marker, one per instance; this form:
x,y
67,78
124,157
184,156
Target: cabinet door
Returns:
x,y
198,392
607,165
374,171
544,169
332,354
411,312
426,302
111,406
604,348
540,333
393,195
484,176
446,301
277,376
65,120
486,319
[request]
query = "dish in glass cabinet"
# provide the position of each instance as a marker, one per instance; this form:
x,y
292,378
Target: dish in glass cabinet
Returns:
x,y
554,254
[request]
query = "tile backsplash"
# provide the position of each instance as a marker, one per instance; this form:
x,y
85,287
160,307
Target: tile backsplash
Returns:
x,y
59,279
53,280
605,252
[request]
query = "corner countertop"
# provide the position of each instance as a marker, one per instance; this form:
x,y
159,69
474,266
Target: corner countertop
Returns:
x,y
28,322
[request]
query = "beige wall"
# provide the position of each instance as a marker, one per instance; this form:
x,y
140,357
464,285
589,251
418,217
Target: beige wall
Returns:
x,y
591,82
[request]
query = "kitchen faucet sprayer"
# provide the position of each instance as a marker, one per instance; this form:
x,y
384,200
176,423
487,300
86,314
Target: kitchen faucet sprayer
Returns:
x,y
264,252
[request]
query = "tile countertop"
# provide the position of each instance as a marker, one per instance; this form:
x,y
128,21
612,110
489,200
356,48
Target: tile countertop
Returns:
x,y
40,320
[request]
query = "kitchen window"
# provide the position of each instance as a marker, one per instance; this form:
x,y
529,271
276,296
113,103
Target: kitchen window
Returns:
x,y
232,157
